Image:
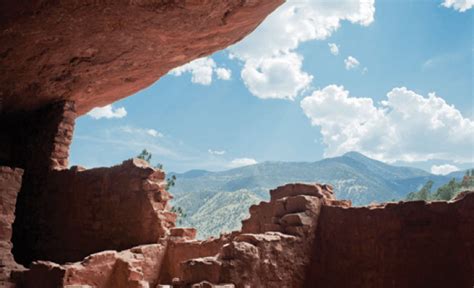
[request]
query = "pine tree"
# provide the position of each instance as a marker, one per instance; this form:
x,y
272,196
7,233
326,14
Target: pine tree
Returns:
x,y
425,192
170,182
145,155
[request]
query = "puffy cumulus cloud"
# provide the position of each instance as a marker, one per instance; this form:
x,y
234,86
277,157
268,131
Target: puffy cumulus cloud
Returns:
x,y
283,31
351,63
444,169
202,71
277,77
223,73
216,152
107,112
239,162
333,48
406,126
460,5
298,21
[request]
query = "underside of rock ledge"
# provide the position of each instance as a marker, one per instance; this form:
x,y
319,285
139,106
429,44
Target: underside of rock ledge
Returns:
x,y
96,52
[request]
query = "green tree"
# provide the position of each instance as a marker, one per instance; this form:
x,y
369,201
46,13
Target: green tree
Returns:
x,y
170,182
411,196
180,213
447,191
423,194
145,155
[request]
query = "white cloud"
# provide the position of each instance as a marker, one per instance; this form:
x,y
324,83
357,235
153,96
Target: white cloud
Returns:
x,y
406,126
277,77
443,169
216,152
239,162
275,41
107,112
140,131
460,5
299,21
351,63
154,133
223,73
333,48
202,71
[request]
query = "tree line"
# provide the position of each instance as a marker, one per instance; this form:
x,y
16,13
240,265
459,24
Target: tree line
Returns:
x,y
446,192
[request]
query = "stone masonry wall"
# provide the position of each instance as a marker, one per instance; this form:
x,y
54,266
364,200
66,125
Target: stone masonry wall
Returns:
x,y
303,237
79,212
413,244
38,141
275,257
40,146
273,248
134,268
66,214
10,183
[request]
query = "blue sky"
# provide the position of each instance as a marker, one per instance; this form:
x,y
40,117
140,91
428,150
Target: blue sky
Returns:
x,y
283,95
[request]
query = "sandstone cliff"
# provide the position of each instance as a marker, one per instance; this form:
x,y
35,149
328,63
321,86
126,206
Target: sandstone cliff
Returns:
x,y
59,59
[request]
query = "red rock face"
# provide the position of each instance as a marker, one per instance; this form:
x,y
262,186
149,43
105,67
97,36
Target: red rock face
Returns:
x,y
87,211
96,52
413,244
179,252
273,248
59,59
307,239
10,183
259,259
136,267
38,141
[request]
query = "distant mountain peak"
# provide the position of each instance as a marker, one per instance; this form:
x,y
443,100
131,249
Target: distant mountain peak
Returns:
x,y
213,200
356,155
361,158
193,173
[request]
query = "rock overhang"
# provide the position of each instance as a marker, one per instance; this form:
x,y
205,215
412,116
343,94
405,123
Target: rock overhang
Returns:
x,y
96,52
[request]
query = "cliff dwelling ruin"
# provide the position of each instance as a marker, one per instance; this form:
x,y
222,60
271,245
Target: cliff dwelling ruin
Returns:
x,y
112,227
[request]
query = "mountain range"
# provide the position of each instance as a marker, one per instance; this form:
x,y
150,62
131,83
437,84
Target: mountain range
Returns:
x,y
215,202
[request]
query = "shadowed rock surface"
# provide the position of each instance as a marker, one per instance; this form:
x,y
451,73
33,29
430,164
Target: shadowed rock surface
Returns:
x,y
93,210
10,183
